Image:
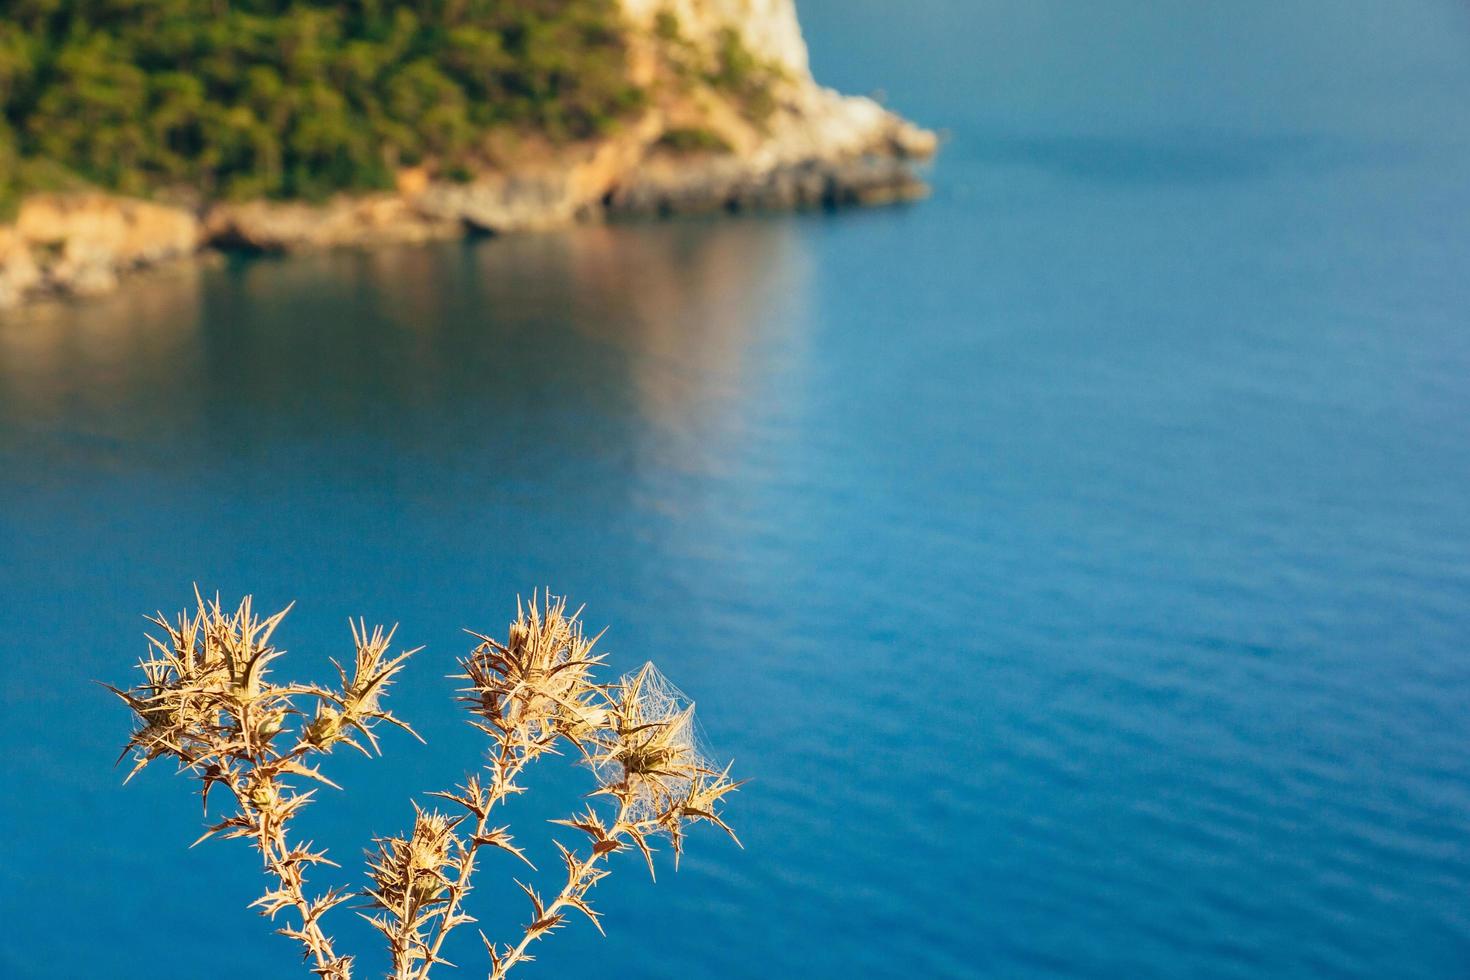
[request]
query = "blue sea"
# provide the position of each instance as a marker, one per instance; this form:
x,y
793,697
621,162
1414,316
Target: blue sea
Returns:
x,y
1077,564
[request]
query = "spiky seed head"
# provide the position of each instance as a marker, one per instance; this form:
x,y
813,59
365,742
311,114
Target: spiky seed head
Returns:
x,y
537,685
409,874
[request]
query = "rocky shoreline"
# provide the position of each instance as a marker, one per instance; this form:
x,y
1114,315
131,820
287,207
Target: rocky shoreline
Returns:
x,y
817,148
80,245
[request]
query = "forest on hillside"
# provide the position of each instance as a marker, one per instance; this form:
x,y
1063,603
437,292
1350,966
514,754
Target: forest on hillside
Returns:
x,y
298,98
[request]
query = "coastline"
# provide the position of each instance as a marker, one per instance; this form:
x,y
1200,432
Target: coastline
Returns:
x,y
855,153
86,244
693,149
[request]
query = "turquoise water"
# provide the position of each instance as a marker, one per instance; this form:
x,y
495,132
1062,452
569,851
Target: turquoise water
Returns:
x,y
1076,563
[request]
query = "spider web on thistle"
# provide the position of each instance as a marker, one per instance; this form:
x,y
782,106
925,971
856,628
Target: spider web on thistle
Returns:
x,y
659,700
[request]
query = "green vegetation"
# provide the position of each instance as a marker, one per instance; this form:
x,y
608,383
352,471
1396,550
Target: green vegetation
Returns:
x,y
293,98
302,98
666,25
731,68
693,139
740,73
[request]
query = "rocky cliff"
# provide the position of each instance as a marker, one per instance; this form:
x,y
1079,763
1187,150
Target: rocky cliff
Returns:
x,y
79,244
701,143
769,28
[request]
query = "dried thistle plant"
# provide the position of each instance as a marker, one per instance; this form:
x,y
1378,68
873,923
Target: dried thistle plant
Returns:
x,y
537,690
205,702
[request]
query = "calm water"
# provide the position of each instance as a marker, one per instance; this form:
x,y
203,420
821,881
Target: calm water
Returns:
x,y
1077,563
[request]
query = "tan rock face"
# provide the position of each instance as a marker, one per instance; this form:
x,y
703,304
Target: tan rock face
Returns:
x,y
552,191
101,227
411,181
19,274
285,226
78,243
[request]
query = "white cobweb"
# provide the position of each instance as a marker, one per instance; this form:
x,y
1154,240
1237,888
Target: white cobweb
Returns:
x,y
659,701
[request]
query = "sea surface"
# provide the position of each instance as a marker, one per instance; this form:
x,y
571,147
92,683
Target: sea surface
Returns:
x,y
1077,563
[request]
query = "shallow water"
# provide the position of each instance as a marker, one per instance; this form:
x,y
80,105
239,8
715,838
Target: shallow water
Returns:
x,y
1076,563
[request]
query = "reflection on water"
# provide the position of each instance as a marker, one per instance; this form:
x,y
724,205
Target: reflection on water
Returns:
x,y
224,357
73,360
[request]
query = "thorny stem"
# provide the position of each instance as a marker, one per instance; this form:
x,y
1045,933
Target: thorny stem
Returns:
x,y
576,874
507,766
403,941
276,852
315,940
